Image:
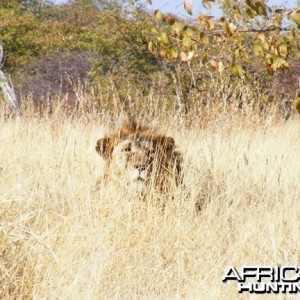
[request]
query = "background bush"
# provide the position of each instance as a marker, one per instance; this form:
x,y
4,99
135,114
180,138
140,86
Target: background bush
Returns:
x,y
54,49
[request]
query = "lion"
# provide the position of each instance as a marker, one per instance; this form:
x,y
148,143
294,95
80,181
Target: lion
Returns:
x,y
139,159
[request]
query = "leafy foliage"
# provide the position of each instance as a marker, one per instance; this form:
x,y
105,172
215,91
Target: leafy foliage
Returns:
x,y
247,30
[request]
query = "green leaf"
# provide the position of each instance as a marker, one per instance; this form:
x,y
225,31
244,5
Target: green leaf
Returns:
x,y
173,52
260,9
250,13
237,69
249,3
204,58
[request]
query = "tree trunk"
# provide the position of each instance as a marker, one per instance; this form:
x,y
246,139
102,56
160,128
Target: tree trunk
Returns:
x,y
7,87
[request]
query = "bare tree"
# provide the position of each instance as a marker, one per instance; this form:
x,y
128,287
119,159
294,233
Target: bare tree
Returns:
x,y
7,87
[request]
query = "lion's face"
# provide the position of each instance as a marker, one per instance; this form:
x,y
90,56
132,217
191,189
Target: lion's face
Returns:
x,y
132,162
140,160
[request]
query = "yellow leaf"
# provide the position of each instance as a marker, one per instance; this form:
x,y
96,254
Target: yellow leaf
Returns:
x,y
210,24
162,52
278,62
177,27
165,39
271,26
269,58
170,19
150,46
227,3
154,30
232,27
214,64
226,28
296,104
266,46
188,31
187,56
261,36
159,15
237,53
206,21
258,49
246,55
221,68
244,27
283,49
204,38
187,42
206,4
188,6
295,17
236,12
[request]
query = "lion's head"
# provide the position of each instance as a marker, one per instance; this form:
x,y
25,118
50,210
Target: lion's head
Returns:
x,y
140,159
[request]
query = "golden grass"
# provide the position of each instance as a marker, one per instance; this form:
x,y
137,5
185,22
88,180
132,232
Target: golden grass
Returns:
x,y
60,238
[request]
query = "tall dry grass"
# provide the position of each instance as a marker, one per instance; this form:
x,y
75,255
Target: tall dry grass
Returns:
x,y
64,237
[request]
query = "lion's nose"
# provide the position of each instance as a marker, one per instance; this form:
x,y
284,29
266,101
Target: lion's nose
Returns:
x,y
140,168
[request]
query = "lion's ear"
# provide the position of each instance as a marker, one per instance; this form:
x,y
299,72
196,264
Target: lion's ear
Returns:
x,y
102,147
168,143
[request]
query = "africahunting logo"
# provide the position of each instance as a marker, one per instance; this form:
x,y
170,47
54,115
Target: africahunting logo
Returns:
x,y
265,279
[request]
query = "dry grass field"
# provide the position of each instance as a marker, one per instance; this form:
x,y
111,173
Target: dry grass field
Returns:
x,y
64,237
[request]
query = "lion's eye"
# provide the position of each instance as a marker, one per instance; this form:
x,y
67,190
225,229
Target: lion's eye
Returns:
x,y
126,149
